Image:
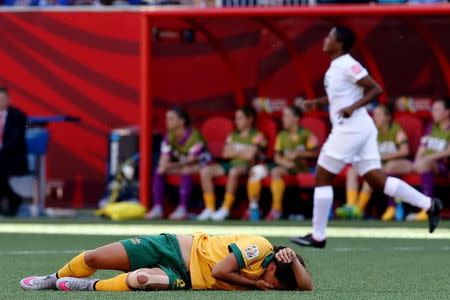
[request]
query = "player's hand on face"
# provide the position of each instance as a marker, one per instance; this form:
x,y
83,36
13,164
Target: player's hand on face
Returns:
x,y
286,255
263,285
346,112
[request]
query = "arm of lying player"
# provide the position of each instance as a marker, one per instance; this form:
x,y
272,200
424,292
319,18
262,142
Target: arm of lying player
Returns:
x,y
371,90
302,277
227,270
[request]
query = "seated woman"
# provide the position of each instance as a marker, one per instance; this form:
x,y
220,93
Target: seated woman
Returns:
x,y
433,155
293,146
394,150
181,262
242,147
182,152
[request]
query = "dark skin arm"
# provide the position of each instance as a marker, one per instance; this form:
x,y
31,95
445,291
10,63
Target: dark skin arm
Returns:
x,y
227,271
371,90
310,104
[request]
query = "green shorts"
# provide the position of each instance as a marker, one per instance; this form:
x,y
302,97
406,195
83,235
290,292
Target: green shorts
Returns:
x,y
160,251
227,166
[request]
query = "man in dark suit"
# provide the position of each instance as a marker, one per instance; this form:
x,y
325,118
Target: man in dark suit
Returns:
x,y
13,152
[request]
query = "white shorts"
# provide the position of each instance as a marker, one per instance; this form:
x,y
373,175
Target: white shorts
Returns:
x,y
358,147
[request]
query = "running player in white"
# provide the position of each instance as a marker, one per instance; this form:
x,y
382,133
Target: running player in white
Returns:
x,y
353,138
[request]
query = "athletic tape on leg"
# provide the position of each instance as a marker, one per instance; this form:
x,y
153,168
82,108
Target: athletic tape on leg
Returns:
x,y
141,279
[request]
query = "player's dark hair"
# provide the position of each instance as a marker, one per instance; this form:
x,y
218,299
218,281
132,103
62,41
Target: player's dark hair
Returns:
x,y
295,110
248,111
345,36
284,272
182,114
445,101
4,90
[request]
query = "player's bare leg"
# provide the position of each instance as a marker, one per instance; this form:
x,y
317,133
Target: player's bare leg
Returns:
x,y
397,188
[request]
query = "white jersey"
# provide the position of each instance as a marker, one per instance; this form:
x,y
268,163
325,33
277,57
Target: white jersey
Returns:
x,y
342,91
352,140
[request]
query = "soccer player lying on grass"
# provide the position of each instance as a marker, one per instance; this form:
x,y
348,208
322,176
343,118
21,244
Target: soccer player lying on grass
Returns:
x,y
182,262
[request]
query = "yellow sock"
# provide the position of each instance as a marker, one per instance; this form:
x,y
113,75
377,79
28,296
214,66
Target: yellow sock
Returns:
x,y
210,201
253,189
352,196
363,199
76,268
228,201
118,283
277,187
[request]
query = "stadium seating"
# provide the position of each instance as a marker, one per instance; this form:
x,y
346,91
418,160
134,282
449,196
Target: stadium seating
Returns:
x,y
317,126
269,128
413,128
215,130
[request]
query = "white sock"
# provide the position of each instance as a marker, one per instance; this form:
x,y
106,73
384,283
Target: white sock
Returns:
x,y
253,205
323,199
397,188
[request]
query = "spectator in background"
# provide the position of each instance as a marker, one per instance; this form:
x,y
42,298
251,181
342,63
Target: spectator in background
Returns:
x,y
293,146
13,152
433,155
241,150
182,152
394,150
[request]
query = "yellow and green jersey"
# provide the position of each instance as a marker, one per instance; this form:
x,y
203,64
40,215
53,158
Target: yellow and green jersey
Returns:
x,y
254,138
302,140
191,144
390,141
253,254
436,139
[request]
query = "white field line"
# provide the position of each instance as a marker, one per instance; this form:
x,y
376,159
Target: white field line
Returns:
x,y
282,231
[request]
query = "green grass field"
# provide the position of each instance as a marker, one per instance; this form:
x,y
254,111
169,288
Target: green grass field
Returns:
x,y
353,266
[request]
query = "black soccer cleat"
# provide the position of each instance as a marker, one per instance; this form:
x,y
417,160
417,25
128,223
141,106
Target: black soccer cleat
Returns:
x,y
434,213
308,241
